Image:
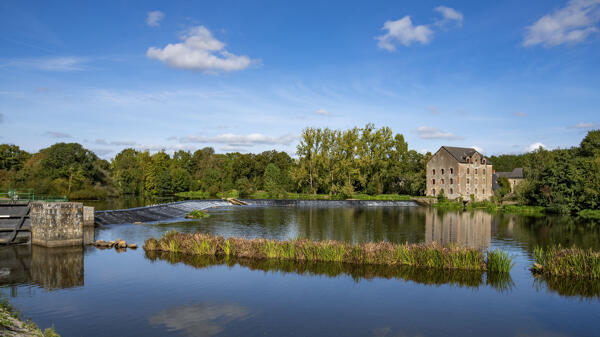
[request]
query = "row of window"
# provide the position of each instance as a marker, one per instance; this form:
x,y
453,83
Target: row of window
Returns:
x,y
452,191
481,161
452,181
452,171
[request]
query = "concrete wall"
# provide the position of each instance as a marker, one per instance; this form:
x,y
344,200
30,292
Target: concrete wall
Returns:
x,y
55,224
458,179
88,215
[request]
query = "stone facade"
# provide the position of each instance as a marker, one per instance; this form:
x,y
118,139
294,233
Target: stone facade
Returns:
x,y
55,224
88,216
514,177
459,172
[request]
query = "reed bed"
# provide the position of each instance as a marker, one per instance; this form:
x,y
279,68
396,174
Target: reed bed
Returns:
x,y
380,253
569,262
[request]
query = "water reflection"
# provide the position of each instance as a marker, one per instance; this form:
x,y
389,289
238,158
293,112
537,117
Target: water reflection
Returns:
x,y
49,268
466,229
434,277
584,289
200,319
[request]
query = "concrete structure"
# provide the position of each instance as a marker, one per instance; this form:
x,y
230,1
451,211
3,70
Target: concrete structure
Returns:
x,y
88,216
514,178
459,172
55,224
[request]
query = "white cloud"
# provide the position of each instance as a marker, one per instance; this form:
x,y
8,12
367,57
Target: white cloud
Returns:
x,y
427,132
449,15
234,140
101,141
519,114
404,32
477,148
57,135
322,112
534,147
67,63
199,51
584,126
154,18
569,25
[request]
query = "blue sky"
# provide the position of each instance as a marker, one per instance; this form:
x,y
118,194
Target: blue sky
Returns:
x,y
250,75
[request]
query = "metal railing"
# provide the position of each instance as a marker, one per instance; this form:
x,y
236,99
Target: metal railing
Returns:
x,y
13,195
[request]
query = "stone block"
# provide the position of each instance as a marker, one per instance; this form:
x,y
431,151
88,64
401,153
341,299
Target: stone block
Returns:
x,y
88,216
56,224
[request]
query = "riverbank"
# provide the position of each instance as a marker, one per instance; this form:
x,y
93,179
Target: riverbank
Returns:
x,y
12,326
380,253
567,262
292,196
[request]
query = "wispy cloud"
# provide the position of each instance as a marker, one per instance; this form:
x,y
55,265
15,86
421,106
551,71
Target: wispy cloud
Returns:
x,y
154,18
569,25
241,140
57,135
1,118
102,141
449,15
519,114
67,63
322,112
433,109
427,132
477,148
199,51
584,126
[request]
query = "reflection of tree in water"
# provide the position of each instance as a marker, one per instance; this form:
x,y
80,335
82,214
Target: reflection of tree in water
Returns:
x,y
426,276
585,289
200,319
50,268
548,230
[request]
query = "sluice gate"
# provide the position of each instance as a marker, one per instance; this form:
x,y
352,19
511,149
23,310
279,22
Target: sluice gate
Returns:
x,y
15,224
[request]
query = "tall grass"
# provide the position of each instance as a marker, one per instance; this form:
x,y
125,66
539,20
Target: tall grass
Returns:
x,y
380,253
572,262
498,261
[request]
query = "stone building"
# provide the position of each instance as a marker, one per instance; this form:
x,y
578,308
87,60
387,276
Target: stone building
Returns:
x,y
514,178
459,172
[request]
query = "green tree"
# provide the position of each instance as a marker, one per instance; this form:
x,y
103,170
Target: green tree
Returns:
x,y
272,180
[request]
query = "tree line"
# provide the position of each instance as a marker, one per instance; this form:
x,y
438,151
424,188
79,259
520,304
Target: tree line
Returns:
x,y
339,163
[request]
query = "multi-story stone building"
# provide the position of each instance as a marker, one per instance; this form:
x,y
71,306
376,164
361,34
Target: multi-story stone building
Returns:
x,y
459,172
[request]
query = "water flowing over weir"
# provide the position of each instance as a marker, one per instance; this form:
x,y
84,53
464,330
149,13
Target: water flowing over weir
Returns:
x,y
177,210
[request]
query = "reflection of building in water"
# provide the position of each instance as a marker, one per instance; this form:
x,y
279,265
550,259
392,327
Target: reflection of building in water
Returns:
x,y
467,229
50,268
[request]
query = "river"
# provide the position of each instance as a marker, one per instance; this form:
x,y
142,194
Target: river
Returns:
x,y
87,291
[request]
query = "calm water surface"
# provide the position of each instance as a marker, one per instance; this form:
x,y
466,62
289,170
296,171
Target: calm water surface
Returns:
x,y
94,292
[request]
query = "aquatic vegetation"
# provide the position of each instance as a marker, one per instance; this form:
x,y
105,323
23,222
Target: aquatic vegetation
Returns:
x,y
499,261
11,321
378,253
196,214
590,214
571,262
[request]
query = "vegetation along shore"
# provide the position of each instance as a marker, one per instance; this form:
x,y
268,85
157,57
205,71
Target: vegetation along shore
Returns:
x,y
11,325
380,253
568,262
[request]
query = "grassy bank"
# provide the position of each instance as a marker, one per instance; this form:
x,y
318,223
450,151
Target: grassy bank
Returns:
x,y
590,214
493,208
12,325
288,195
380,253
570,262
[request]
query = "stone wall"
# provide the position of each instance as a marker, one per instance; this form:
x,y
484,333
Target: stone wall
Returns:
x,y
55,224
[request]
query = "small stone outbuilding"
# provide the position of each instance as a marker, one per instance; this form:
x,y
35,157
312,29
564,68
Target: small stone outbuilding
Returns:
x,y
514,178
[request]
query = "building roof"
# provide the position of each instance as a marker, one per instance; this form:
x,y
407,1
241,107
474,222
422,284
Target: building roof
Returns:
x,y
462,153
515,174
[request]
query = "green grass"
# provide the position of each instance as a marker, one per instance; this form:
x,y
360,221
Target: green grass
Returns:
x,y
197,214
379,253
569,262
9,319
523,210
590,214
289,195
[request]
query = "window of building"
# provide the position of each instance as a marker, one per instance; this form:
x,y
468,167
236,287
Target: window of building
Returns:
x,y
484,191
483,171
451,191
468,170
475,171
451,171
468,181
442,181
433,192
483,161
433,181
433,171
442,171
451,181
468,160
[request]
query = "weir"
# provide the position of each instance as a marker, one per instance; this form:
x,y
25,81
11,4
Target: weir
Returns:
x,y
176,210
